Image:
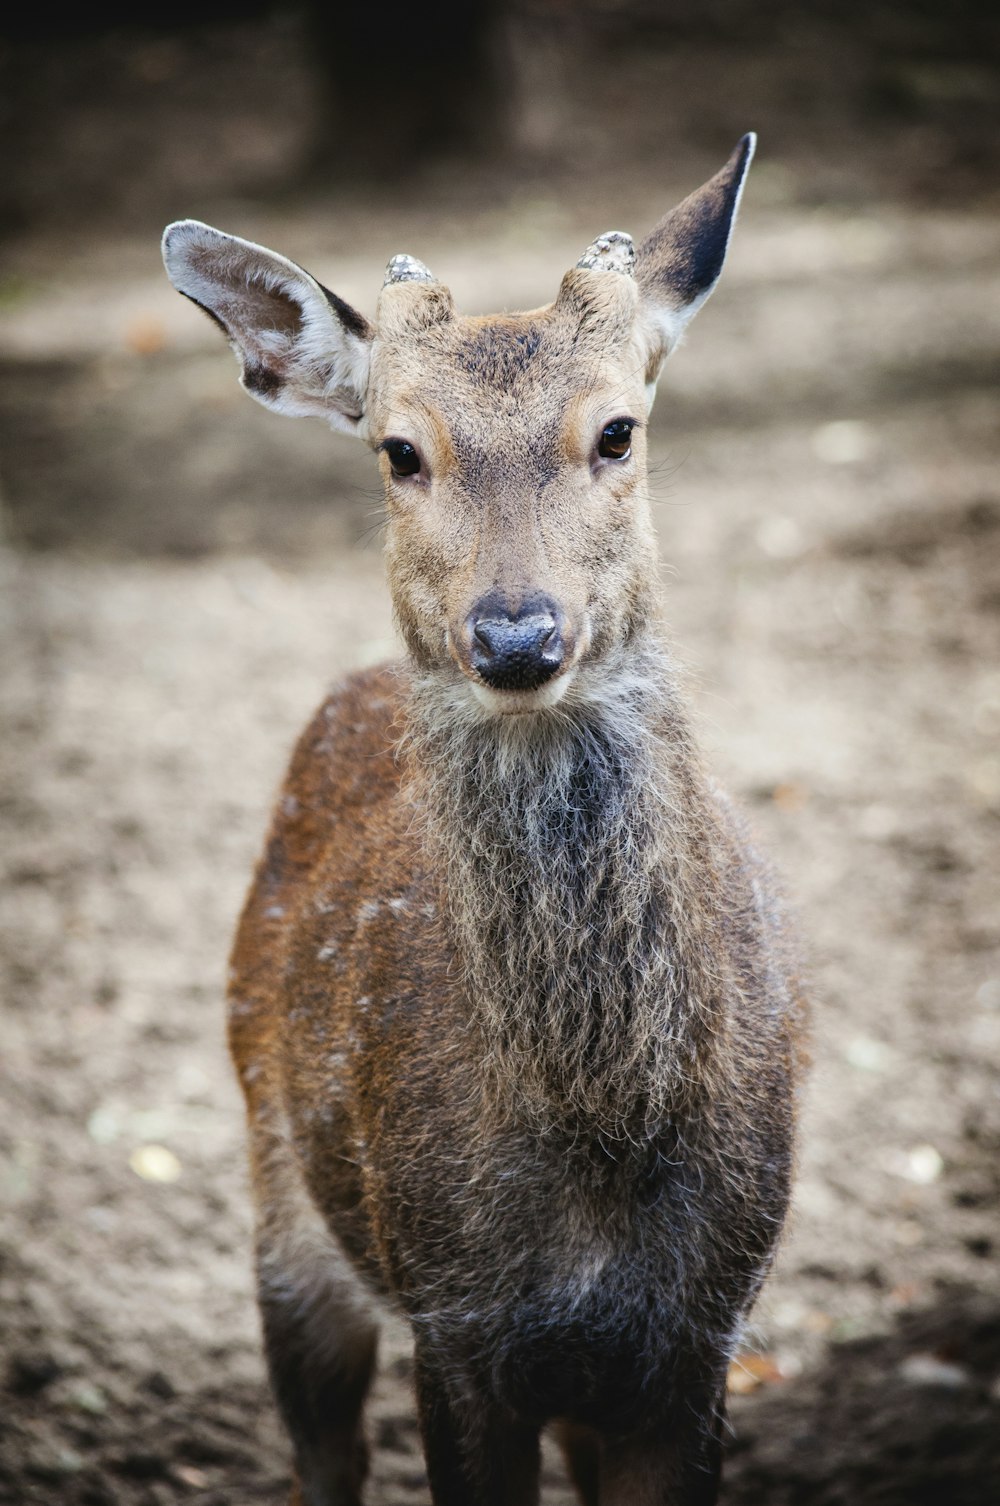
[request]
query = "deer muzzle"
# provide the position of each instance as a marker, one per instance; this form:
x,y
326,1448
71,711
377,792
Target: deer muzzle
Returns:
x,y
515,650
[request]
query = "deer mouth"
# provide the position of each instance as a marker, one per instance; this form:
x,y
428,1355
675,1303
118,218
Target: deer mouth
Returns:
x,y
512,702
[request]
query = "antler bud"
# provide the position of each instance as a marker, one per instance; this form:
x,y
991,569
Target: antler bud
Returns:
x,y
403,268
612,252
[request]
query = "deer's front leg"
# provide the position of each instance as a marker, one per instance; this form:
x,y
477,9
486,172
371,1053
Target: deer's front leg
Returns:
x,y
477,1453
677,1463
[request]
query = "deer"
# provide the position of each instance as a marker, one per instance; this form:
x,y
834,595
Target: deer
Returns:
x,y
513,999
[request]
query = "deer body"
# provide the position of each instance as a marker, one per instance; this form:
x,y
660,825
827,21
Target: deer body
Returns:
x,y
510,1003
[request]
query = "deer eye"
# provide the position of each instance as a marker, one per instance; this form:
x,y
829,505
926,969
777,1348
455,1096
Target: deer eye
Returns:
x,y
403,457
615,442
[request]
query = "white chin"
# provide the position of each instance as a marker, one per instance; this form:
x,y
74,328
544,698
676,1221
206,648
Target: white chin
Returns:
x,y
521,702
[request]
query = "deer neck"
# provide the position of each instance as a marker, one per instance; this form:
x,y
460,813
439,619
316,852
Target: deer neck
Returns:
x,y
576,849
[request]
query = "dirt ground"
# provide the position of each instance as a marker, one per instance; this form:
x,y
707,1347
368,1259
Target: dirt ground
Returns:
x,y
182,574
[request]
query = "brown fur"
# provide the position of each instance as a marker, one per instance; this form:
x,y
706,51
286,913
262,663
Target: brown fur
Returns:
x,y
511,1002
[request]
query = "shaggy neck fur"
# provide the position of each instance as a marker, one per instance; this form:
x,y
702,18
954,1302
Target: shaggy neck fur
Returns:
x,y
581,863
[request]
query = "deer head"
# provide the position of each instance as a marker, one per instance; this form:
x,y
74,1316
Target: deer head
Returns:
x,y
520,546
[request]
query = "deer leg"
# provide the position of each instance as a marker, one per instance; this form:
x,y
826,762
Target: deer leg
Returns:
x,y
477,1455
680,1464
320,1340
581,1449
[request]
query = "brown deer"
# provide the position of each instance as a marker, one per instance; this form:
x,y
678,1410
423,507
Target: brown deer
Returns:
x,y
511,1001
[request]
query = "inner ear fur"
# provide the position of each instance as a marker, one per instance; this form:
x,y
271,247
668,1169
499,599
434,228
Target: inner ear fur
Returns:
x,y
302,350
680,261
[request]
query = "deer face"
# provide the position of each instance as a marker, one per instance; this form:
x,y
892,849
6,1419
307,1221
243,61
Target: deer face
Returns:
x,y
513,454
512,449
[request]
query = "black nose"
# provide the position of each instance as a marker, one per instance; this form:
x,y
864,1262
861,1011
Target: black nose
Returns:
x,y
515,651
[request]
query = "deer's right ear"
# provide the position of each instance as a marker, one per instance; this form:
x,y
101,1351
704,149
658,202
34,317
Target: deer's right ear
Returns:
x,y
303,350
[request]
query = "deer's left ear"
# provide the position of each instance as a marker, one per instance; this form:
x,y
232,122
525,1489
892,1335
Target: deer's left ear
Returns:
x,y
679,263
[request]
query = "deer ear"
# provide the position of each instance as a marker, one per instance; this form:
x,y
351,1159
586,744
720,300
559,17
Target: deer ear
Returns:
x,y
679,263
303,350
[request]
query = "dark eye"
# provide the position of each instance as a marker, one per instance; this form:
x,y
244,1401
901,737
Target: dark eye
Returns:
x,y
402,457
615,442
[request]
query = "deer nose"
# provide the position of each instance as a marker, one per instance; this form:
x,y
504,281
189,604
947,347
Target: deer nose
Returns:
x,y
515,651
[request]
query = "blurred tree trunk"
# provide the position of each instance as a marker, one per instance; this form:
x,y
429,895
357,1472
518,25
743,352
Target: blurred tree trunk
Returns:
x,y
404,84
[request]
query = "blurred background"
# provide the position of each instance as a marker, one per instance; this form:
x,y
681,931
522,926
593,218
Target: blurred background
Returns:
x,y
183,573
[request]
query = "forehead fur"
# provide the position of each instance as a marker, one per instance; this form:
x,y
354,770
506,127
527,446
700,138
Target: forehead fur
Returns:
x,y
507,362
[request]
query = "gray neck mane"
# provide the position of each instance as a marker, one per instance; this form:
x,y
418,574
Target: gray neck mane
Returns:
x,y
578,851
